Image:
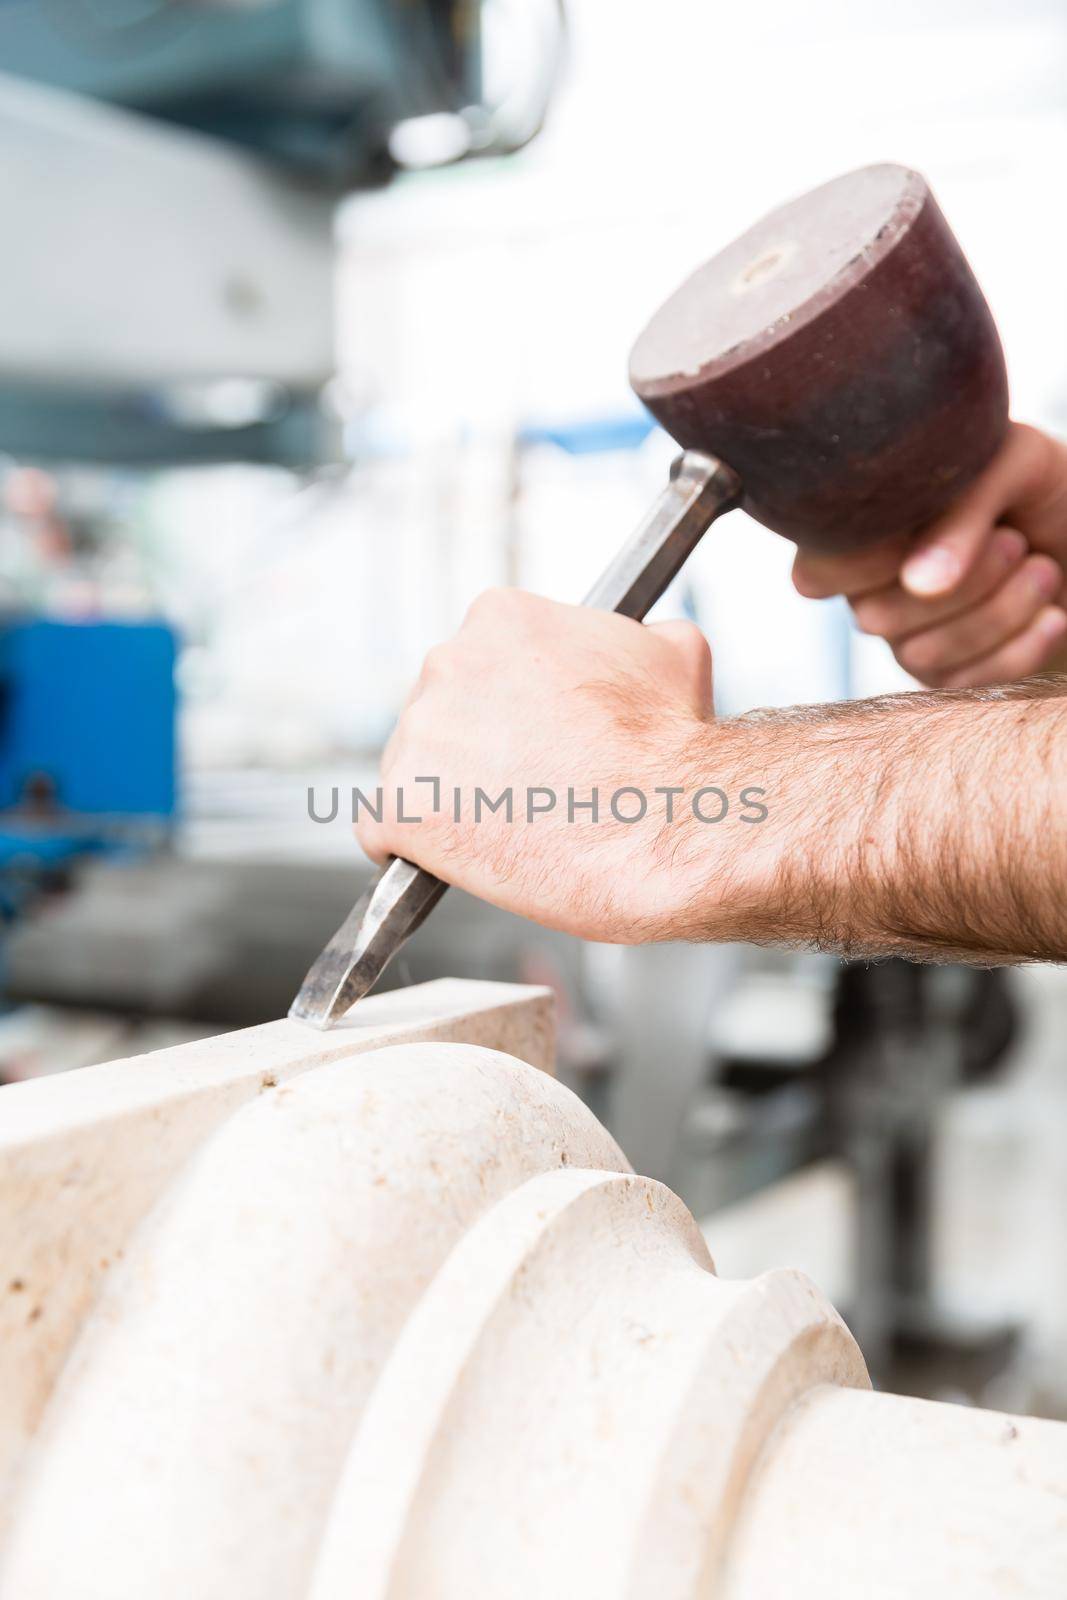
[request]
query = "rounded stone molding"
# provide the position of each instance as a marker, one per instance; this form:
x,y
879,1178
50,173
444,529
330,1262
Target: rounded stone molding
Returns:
x,y
574,1405
399,1322
193,1441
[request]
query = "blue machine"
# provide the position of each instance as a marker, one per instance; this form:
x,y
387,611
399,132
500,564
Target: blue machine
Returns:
x,y
87,744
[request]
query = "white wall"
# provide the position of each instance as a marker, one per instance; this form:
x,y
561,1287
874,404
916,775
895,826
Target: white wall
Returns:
x,y
482,296
478,298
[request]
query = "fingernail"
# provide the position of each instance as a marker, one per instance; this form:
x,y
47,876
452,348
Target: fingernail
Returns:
x,y
931,571
1052,623
1046,578
1009,545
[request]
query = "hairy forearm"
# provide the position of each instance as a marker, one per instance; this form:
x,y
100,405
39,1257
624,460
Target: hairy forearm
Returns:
x,y
925,825
928,825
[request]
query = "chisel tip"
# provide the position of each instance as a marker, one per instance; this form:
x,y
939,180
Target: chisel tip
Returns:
x,y
372,933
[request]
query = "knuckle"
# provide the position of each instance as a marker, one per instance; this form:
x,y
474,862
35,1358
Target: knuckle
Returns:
x,y
692,642
437,663
404,742
810,583
364,828
413,725
1026,656
392,755
480,607
1013,603
871,616
1005,549
832,577
1047,575
1027,444
371,838
928,671
494,603
920,655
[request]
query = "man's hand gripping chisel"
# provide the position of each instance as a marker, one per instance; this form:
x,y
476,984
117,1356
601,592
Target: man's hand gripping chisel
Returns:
x,y
841,358
403,895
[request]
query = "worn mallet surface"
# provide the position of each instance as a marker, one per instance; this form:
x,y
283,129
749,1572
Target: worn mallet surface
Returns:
x,y
837,367
840,357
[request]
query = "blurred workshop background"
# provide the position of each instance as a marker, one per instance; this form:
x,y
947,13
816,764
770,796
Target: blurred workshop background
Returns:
x,y
314,322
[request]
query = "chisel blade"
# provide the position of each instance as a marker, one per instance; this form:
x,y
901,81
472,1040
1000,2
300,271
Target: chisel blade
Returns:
x,y
374,930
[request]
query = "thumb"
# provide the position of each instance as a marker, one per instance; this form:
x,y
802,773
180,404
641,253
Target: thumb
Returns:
x,y
692,654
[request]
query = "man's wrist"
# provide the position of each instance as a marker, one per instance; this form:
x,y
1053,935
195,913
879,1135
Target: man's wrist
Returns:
x,y
745,878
